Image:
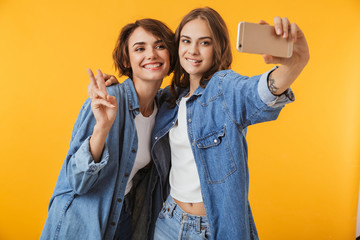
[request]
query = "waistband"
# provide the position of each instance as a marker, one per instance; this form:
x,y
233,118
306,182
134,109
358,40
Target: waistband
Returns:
x,y
174,211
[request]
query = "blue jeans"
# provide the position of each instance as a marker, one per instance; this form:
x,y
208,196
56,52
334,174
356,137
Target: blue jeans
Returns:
x,y
123,229
174,223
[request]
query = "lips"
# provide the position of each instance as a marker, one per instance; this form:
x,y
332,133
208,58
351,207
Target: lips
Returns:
x,y
193,60
152,65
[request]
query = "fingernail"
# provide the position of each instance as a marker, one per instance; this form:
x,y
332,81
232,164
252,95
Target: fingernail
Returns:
x,y
278,31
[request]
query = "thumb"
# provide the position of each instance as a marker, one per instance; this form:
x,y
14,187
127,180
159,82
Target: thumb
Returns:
x,y
271,59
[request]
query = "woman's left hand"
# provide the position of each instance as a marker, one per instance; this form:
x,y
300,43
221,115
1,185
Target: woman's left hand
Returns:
x,y
300,55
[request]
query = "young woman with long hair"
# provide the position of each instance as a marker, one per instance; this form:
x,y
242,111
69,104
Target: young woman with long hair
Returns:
x,y
200,132
96,195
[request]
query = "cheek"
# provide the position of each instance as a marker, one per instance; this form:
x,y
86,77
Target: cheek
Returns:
x,y
133,59
210,53
182,50
166,56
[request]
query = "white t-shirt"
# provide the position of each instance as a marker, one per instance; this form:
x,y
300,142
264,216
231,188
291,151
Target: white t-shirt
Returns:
x,y
144,127
184,177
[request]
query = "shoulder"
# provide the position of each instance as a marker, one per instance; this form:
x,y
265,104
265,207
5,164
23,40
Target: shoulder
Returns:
x,y
165,95
227,75
117,90
225,79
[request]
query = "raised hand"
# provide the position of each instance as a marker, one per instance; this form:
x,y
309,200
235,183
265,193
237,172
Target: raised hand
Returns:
x,y
300,56
103,105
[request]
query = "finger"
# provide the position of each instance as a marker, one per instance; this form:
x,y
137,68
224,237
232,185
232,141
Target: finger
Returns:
x,y
278,25
106,76
112,100
262,22
294,32
91,75
97,102
101,82
285,26
97,93
92,85
112,80
271,59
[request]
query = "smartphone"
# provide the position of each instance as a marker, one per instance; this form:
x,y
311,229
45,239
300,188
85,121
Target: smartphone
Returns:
x,y
262,39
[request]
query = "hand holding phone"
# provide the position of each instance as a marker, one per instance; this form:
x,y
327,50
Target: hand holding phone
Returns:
x,y
262,39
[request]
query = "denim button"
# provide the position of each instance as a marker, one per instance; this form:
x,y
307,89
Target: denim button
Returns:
x,y
156,138
189,120
126,174
119,199
133,150
113,224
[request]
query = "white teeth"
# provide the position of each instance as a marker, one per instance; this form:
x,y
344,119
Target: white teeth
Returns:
x,y
152,65
192,60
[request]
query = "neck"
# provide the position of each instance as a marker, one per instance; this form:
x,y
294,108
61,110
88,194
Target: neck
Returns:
x,y
146,92
194,83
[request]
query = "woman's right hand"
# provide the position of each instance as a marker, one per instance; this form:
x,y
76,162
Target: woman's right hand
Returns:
x,y
103,105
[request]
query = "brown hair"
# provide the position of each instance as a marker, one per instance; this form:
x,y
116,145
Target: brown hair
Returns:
x,y
157,28
222,51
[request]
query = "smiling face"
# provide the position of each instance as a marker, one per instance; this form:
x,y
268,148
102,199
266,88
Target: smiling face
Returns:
x,y
149,58
196,51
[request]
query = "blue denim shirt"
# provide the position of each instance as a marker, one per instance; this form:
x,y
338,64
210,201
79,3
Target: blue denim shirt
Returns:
x,y
217,119
87,199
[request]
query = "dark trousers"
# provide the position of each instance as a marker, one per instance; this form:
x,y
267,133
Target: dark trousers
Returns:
x,y
123,229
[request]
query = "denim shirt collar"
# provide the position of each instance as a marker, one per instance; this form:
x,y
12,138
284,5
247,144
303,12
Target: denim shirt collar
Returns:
x,y
132,96
184,91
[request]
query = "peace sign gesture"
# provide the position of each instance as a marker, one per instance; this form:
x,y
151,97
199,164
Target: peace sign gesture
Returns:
x,y
103,105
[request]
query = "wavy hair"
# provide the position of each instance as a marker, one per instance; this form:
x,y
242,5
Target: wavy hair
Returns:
x,y
157,28
222,58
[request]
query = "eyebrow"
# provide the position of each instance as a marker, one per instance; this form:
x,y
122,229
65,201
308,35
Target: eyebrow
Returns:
x,y
143,43
206,37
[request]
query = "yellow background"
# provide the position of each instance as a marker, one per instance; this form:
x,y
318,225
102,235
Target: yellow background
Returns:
x,y
304,167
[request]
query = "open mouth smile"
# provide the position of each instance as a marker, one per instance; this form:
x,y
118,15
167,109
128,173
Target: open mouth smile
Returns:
x,y
153,66
193,60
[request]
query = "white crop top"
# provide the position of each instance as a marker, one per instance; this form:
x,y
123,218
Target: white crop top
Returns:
x,y
184,177
144,127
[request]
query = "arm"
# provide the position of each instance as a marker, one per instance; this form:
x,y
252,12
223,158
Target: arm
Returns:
x,y
104,108
88,153
290,68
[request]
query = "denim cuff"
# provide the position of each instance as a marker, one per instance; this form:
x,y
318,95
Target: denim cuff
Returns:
x,y
85,161
270,99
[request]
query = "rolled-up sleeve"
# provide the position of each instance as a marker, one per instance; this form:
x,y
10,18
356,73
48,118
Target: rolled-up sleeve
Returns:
x,y
270,99
82,171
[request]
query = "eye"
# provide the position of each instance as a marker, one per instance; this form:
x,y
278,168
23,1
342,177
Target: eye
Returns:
x,y
139,49
184,40
161,46
206,43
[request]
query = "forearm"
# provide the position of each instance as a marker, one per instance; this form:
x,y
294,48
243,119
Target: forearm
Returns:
x,y
97,142
282,78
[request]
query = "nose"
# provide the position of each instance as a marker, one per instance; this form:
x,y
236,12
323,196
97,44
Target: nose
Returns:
x,y
151,53
193,49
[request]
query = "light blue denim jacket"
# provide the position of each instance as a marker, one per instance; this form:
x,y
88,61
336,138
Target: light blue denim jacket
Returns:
x,y
87,199
217,119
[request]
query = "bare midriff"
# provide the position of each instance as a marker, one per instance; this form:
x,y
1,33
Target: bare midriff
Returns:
x,y
192,208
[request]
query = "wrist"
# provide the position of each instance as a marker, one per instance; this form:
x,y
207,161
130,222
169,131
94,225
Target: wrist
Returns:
x,y
100,131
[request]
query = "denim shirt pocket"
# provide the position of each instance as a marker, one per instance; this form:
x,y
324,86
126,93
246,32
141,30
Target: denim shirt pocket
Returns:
x,y
216,157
